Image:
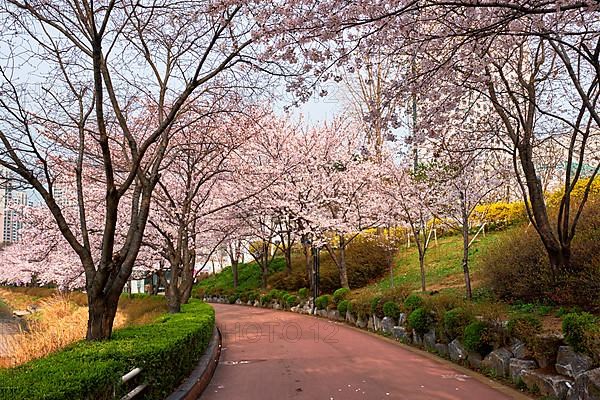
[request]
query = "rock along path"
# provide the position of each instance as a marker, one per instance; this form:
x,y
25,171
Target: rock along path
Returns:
x,y
281,355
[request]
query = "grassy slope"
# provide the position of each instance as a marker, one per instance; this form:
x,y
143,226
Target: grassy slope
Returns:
x,y
443,262
249,276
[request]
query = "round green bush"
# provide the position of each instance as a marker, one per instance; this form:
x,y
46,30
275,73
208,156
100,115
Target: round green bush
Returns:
x,y
420,321
266,299
253,296
352,307
455,321
376,306
276,294
575,326
343,306
322,302
291,300
340,295
303,293
232,298
243,296
476,337
412,302
391,309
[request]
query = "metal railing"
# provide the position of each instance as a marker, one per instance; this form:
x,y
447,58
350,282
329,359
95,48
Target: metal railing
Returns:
x,y
138,389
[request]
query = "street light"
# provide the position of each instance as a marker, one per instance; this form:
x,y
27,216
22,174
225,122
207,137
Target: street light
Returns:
x,y
315,250
316,267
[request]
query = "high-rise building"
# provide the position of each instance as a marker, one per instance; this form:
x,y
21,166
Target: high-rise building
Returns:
x,y
11,224
11,201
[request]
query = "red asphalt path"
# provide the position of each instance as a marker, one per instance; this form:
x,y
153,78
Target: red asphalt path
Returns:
x,y
281,355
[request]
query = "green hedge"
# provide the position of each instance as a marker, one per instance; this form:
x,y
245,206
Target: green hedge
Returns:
x,y
167,350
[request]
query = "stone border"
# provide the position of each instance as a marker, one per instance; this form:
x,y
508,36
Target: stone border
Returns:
x,y
193,386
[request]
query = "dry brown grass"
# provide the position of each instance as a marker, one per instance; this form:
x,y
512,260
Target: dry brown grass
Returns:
x,y
58,322
21,298
139,311
61,319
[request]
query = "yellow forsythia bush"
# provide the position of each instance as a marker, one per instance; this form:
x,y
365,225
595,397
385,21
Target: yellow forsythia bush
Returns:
x,y
554,198
499,214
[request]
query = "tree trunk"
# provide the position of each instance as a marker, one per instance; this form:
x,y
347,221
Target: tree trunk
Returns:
x,y
265,264
342,264
101,315
422,267
560,260
234,271
265,272
187,293
308,262
465,235
173,297
288,260
558,253
465,261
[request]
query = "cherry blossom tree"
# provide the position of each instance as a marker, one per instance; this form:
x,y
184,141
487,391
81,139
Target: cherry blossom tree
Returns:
x,y
78,82
413,197
196,182
533,62
325,190
465,183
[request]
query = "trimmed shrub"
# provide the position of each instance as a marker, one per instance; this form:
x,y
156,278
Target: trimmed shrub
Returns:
x,y
412,302
166,350
392,310
455,322
361,304
276,294
352,308
575,327
243,296
377,306
524,327
291,300
340,294
397,294
253,296
303,293
266,299
343,306
476,337
322,302
420,321
231,299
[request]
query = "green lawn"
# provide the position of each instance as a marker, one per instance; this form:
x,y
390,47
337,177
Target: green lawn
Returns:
x,y
249,276
442,265
443,262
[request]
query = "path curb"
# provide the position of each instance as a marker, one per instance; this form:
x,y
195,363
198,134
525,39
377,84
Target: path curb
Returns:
x,y
193,386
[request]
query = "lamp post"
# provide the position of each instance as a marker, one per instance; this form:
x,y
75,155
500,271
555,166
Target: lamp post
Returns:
x,y
316,267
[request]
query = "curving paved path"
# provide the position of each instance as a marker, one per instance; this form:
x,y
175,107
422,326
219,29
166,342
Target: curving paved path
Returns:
x,y
281,355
